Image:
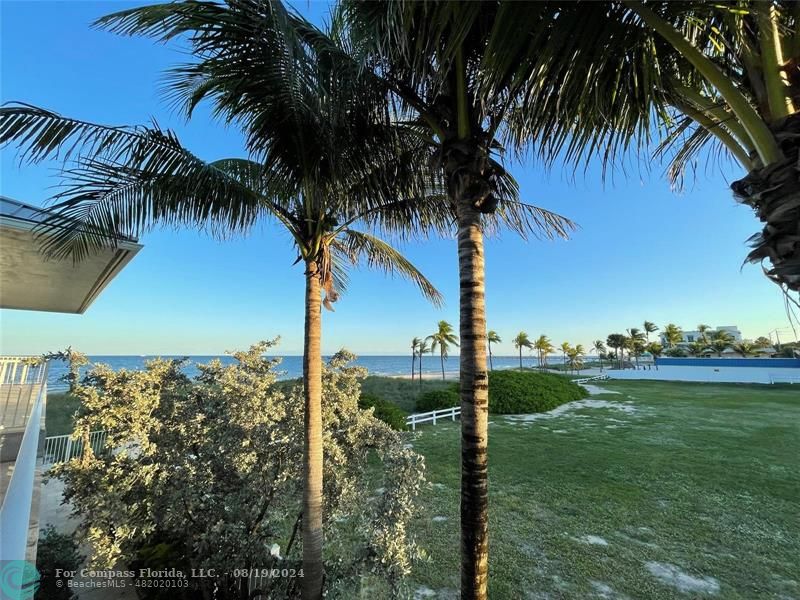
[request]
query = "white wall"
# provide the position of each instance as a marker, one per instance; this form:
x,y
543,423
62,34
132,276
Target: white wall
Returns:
x,y
711,373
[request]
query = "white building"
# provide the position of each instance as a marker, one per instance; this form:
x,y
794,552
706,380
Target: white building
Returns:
x,y
694,335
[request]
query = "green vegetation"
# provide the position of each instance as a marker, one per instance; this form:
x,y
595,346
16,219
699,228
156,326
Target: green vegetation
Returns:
x,y
701,477
438,399
61,407
400,391
518,392
384,410
55,551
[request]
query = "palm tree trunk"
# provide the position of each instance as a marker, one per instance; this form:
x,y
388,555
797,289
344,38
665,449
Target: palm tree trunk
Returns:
x,y
420,369
520,357
474,406
441,359
312,448
491,364
413,362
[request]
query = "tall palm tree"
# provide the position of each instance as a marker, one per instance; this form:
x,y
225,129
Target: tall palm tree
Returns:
x,y
443,337
649,327
617,342
322,157
414,346
492,338
575,358
600,348
635,343
433,58
565,347
703,331
521,340
707,78
423,348
672,335
543,347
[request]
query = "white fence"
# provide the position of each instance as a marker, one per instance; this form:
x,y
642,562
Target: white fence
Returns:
x,y
61,448
433,416
588,379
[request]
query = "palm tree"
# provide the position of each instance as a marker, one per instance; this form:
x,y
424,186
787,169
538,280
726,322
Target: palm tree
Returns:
x,y
435,59
565,347
600,348
708,78
721,340
422,350
575,356
703,331
521,340
649,327
544,347
443,337
656,350
672,335
762,342
492,338
296,116
414,345
635,343
617,342
744,348
697,348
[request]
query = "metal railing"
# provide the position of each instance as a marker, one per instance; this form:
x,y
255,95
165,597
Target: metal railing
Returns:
x,y
433,416
21,380
61,448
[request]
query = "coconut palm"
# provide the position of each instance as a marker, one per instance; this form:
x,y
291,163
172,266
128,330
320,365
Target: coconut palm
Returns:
x,y
543,346
762,342
744,348
672,335
442,338
635,343
414,346
433,58
697,348
575,358
703,330
649,327
600,348
708,78
322,158
656,350
720,341
564,347
617,342
492,338
520,341
423,348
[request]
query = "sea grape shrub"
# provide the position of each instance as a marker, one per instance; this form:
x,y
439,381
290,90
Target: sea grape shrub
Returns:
x,y
384,410
213,464
519,392
439,399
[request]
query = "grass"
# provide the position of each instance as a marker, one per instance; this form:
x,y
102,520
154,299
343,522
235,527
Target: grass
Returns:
x,y
61,407
692,487
399,391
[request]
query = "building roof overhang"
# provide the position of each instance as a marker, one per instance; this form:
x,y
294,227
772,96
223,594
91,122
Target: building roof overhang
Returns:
x,y
31,281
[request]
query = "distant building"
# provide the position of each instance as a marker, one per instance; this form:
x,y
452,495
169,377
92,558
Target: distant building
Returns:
x,y
690,337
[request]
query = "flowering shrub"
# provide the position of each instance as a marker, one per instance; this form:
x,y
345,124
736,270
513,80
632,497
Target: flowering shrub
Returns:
x,y
209,470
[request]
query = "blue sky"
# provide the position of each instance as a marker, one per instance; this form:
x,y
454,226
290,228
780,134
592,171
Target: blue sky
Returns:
x,y
642,251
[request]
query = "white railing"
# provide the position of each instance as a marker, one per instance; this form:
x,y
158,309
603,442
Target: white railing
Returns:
x,y
24,386
61,448
433,416
588,379
780,378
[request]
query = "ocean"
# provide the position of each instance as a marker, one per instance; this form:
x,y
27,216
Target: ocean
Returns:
x,y
291,367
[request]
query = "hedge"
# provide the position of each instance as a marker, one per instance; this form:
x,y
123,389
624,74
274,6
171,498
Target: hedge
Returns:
x,y
512,392
384,410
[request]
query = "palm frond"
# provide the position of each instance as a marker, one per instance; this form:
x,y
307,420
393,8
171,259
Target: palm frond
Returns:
x,y
376,253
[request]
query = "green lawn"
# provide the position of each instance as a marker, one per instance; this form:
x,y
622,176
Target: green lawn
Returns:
x,y
667,490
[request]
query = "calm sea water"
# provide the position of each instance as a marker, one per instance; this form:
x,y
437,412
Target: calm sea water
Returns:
x,y
291,366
